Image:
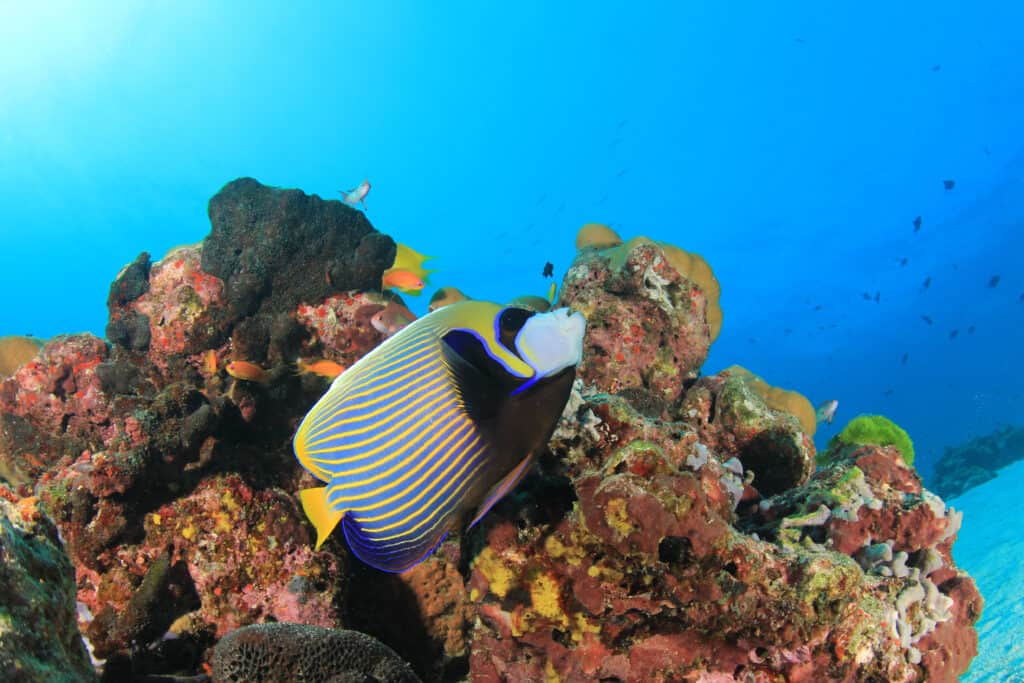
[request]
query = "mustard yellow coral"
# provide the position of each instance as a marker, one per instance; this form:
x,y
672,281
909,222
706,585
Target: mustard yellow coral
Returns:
x,y
597,236
500,578
693,267
15,351
783,400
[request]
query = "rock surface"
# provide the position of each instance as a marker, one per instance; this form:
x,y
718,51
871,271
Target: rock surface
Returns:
x,y
39,638
971,464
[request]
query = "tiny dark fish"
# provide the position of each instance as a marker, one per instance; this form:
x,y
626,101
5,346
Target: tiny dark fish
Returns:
x,y
787,331
799,40
986,151
903,261
906,357
878,297
818,307
953,334
530,226
752,340
614,143
927,282
917,224
936,67
867,297
541,200
622,173
602,199
993,281
622,123
560,209
889,392
926,319
549,269
970,330
535,242
1021,298
949,184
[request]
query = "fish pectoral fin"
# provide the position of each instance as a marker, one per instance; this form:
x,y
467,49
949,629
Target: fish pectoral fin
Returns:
x,y
324,519
498,491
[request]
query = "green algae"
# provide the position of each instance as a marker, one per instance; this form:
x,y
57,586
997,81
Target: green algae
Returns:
x,y
871,430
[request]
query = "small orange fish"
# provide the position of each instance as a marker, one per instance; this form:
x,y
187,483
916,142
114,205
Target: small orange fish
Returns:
x,y
249,372
323,367
392,318
210,362
404,281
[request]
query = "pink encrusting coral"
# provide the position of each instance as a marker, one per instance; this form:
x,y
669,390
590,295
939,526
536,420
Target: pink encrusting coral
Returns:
x,y
675,529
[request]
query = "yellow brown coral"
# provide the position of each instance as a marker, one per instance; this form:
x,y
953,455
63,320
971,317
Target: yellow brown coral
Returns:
x,y
783,400
15,351
597,236
694,267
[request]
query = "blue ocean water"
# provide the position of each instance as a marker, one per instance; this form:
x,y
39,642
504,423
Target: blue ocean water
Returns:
x,y
791,146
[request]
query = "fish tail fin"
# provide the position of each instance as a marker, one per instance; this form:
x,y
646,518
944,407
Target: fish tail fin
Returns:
x,y
324,519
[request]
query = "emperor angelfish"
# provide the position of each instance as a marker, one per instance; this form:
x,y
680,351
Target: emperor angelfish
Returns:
x,y
439,421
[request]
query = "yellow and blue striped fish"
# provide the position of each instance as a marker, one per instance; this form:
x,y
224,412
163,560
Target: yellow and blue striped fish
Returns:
x,y
440,420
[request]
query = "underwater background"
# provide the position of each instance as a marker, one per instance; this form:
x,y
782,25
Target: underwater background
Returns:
x,y
792,146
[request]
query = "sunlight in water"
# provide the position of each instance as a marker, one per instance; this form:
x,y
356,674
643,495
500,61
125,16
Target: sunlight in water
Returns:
x,y
42,43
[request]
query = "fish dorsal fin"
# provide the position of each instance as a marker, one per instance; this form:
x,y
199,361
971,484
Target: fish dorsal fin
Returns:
x,y
506,484
324,519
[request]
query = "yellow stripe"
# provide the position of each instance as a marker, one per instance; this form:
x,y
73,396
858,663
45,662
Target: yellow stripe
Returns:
x,y
429,389
390,358
436,507
368,367
440,448
347,474
443,395
458,483
345,395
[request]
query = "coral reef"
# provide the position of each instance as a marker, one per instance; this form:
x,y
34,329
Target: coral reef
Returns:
x,y
676,529
875,430
971,464
660,564
283,653
646,323
39,639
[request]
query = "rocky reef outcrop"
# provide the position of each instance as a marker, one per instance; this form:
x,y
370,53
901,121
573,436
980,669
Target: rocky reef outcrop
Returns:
x,y
39,638
971,464
676,529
